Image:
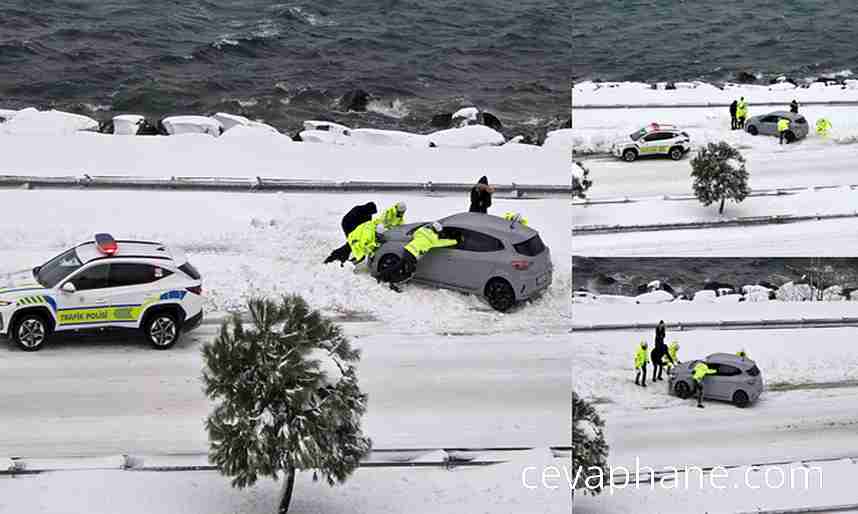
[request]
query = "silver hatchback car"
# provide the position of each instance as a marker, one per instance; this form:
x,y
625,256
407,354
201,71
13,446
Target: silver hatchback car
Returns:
x,y
736,379
502,261
767,125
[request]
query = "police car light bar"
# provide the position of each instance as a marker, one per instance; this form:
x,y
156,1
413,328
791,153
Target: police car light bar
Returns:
x,y
106,244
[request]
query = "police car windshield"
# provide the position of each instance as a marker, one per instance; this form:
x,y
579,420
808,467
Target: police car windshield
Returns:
x,y
639,134
58,268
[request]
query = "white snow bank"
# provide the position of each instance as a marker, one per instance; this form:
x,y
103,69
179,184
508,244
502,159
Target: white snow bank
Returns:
x,y
471,136
178,125
205,156
126,124
654,297
561,138
31,121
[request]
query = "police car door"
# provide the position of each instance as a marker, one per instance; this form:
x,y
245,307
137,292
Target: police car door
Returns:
x,y
651,143
133,286
86,305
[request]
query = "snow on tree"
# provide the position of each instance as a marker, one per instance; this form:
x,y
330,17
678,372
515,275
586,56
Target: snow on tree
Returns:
x,y
589,449
286,397
719,175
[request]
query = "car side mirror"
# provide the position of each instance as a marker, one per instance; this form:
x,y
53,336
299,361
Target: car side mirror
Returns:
x,y
69,287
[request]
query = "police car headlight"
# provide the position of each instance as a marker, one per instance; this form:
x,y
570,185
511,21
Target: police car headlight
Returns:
x,y
6,303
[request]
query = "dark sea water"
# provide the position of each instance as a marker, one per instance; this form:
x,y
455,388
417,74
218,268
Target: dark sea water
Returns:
x,y
671,40
624,275
286,62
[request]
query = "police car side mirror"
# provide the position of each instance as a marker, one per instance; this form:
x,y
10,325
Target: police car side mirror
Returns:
x,y
69,287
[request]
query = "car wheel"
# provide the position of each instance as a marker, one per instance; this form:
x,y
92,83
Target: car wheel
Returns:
x,y
388,261
630,155
789,136
752,129
740,399
162,330
30,332
682,389
500,294
676,153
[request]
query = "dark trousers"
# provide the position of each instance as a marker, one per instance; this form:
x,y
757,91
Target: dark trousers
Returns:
x,y
340,254
782,136
699,393
641,375
734,123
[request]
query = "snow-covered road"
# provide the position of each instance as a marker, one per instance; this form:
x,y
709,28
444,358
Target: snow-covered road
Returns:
x,y
108,395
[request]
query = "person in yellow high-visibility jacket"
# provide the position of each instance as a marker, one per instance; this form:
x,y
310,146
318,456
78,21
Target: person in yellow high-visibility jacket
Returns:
x,y
515,217
641,360
671,358
424,240
822,127
741,112
701,370
363,241
783,128
393,216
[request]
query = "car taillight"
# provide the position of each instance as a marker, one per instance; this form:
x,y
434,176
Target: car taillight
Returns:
x,y
521,265
198,290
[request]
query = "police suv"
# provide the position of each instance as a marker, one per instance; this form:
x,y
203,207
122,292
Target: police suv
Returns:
x,y
654,139
104,283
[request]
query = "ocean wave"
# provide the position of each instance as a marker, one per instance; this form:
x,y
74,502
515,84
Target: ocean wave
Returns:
x,y
395,109
300,14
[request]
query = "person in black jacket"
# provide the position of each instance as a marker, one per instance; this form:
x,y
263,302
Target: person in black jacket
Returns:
x,y
481,196
733,123
793,107
357,215
659,350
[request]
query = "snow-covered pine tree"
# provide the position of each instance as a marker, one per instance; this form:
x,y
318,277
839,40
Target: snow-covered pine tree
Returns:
x,y
719,175
286,397
589,449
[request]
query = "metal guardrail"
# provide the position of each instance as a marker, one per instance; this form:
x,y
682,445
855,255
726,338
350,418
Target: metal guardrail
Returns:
x,y
270,184
699,105
386,458
695,225
761,324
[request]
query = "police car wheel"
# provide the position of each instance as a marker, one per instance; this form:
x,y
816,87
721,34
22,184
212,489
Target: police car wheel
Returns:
x,y
500,294
388,261
162,330
630,155
682,389
676,153
740,399
30,332
752,129
789,136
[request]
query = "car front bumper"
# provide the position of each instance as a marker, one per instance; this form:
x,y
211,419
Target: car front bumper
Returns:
x,y
193,322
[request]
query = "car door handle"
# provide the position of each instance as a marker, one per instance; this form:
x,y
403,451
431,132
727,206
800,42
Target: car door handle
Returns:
x,y
100,301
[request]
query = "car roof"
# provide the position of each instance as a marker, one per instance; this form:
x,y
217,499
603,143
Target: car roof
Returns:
x,y
731,359
784,114
87,251
490,224
660,127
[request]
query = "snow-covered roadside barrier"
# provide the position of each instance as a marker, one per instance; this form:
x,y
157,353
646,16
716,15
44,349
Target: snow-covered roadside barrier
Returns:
x,y
603,94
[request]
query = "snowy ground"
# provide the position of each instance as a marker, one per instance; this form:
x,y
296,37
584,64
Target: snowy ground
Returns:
x,y
274,157
111,395
247,244
475,490
812,161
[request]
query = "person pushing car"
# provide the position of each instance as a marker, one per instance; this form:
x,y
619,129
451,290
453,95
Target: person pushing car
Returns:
x,y
699,374
658,352
424,240
357,215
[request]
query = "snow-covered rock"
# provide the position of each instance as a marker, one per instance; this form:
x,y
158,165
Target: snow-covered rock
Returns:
x,y
729,298
229,121
754,293
472,136
126,124
365,136
654,285
791,292
177,125
7,114
706,295
833,294
584,297
254,131
33,121
559,139
465,115
588,429
325,132
654,297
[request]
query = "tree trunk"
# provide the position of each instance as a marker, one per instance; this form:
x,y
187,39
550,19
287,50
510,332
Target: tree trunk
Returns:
x,y
721,210
288,484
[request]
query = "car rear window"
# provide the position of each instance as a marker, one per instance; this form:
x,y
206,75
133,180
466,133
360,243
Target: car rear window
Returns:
x,y
754,371
801,120
532,247
190,270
